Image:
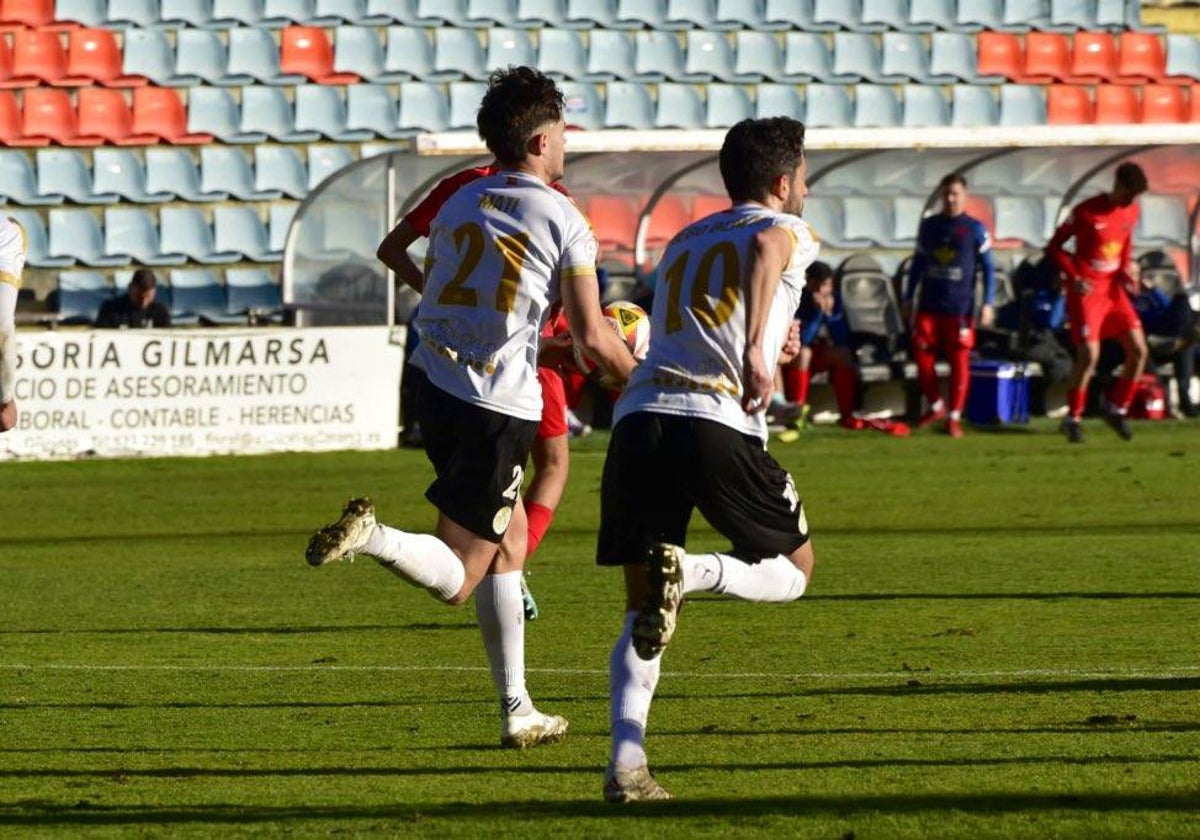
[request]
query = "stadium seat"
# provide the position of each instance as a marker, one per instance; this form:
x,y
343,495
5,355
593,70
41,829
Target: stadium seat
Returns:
x,y
357,50
855,54
1022,105
825,215
148,53
38,55
340,12
1094,58
509,48
907,212
1163,222
200,53
321,109
828,106
12,129
628,105
279,220
254,54
438,13
106,114
1019,218
679,106
583,106
213,111
491,14
928,15
464,104
779,101
1001,54
925,106
658,56
759,56
974,106
252,291
1164,104
18,182
305,52
974,15
651,14
184,230
371,110
1069,105
710,54
1047,58
409,55
197,296
590,14
387,12
324,161
1183,59
266,111
843,14
6,69
610,56
1116,105
885,14
458,54
869,219
79,295
669,215
423,107
872,313
49,115
875,106
953,57
279,170
807,56
132,233
710,15
225,169
133,14
1026,14
93,56
562,54
1073,15
159,112
614,219
173,171
278,14
542,15
180,13
118,172
36,249
76,235
1194,104
1117,15
34,14
905,57
1140,55
727,106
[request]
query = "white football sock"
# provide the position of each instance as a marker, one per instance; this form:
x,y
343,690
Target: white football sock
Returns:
x,y
631,685
774,579
421,559
501,615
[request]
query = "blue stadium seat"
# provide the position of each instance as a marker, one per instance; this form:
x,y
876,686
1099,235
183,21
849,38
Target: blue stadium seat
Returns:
x,y
19,183
509,48
176,13
1020,218
844,14
807,56
80,294
184,230
828,106
339,12
280,13
1163,221
1117,14
1073,15
610,56
1183,56
64,173
1051,205
869,301
357,49
225,169
925,105
130,232
543,15
928,15
794,14
745,14
628,105
251,290
345,235
409,55
76,235
776,100
119,172
173,171
907,212
321,109
1026,14
200,53
562,54
148,53
884,14
464,104
679,106
759,55
386,12
440,13
197,295
492,13
279,170
458,54
1022,105
869,219
973,106
953,56
583,106
134,14
651,14
372,109
423,107
265,110
856,54
727,106
323,161
697,14
876,106
904,56
658,56
229,14
710,54
824,213
91,13
586,14
254,53
37,251
279,219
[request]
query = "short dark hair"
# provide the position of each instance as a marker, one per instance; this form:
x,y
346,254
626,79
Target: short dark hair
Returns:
x,y
817,273
952,179
518,101
143,280
756,152
1132,177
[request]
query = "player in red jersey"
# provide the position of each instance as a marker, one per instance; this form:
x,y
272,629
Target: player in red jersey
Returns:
x,y
550,453
1096,276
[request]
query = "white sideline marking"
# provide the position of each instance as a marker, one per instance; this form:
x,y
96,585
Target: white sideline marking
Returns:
x,y
1173,672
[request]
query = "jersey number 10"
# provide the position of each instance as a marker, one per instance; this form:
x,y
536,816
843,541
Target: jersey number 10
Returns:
x,y
703,310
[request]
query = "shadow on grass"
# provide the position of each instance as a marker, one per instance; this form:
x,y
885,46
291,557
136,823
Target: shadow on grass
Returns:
x,y
274,630
925,683
42,813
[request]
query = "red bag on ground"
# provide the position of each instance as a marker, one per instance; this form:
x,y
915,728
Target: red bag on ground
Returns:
x,y
1149,399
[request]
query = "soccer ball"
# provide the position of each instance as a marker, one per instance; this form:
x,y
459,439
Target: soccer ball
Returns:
x,y
632,324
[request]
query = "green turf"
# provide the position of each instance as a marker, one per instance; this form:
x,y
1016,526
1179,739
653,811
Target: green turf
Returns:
x,y
1001,640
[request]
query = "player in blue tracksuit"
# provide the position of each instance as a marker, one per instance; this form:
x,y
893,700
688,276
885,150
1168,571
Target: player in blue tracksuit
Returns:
x,y
949,247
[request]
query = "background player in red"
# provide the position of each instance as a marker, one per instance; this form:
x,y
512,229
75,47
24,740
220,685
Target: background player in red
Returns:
x,y
948,247
550,453
1096,276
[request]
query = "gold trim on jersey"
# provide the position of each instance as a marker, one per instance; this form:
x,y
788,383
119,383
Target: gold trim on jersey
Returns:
x,y
576,270
719,385
11,279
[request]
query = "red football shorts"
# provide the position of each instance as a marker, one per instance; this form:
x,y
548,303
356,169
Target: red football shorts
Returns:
x,y
938,333
825,356
1101,315
554,404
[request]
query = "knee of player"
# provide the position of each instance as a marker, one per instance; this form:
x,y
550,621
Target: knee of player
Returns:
x,y
460,597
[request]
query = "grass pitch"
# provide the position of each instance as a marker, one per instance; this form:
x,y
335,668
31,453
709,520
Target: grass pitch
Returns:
x,y
1001,640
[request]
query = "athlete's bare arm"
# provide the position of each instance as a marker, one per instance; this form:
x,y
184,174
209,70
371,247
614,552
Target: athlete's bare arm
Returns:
x,y
581,305
769,257
393,252
8,355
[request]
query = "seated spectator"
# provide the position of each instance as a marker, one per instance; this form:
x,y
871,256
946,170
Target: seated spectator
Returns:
x,y
1173,330
137,308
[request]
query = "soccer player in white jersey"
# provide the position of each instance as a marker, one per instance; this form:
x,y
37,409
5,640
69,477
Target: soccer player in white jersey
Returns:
x,y
12,265
501,251
690,430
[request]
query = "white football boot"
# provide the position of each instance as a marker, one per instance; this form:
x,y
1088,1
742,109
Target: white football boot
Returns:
x,y
637,785
655,622
519,732
344,538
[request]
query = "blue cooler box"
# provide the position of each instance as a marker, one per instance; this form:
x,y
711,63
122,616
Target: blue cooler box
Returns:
x,y
999,393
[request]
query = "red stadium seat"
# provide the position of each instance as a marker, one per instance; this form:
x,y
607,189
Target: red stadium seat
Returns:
x,y
11,131
1069,105
6,71
1141,56
38,55
48,113
94,56
1047,57
306,50
105,113
706,205
1117,105
1001,54
1194,104
1164,104
1093,57
668,217
34,14
614,219
159,112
